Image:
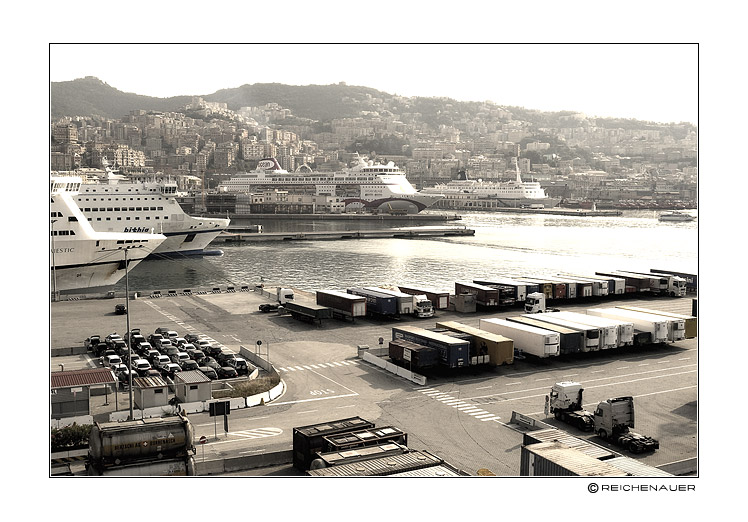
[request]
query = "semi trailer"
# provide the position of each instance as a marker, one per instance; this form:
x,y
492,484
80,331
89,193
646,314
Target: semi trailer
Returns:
x,y
408,304
484,295
453,352
569,341
689,321
656,327
591,334
616,333
308,311
343,304
439,300
499,349
527,339
377,303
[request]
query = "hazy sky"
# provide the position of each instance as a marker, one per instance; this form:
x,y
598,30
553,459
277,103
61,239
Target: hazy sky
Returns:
x,y
656,82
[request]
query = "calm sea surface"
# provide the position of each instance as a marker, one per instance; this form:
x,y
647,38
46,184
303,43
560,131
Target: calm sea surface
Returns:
x,y
503,244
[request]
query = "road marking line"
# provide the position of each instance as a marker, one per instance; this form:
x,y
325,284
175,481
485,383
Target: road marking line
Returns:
x,y
622,367
512,383
484,387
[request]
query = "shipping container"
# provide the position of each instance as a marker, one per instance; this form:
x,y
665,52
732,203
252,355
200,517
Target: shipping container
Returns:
x,y
554,459
413,355
655,326
464,303
337,458
383,466
309,440
635,468
599,286
342,303
555,435
689,322
453,353
439,299
499,348
591,334
367,437
616,333
569,341
484,295
408,304
528,339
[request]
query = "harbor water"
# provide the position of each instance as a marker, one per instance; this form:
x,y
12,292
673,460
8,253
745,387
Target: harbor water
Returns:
x,y
504,244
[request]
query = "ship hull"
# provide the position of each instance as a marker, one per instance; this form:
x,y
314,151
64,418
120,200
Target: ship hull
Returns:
x,y
489,203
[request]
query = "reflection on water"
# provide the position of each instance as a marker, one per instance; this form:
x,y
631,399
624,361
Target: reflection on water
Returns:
x,y
504,244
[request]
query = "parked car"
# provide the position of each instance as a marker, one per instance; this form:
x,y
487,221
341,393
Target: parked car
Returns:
x,y
153,373
210,362
120,347
92,342
269,307
170,370
162,330
162,345
152,338
136,339
109,339
110,360
171,334
151,355
124,377
120,309
144,348
225,357
191,338
161,361
240,365
188,364
210,373
226,372
195,354
179,341
186,347
172,352
119,368
181,356
141,366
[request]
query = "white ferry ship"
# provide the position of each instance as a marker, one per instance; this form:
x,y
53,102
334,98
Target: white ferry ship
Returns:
x,y
367,185
465,193
81,258
114,203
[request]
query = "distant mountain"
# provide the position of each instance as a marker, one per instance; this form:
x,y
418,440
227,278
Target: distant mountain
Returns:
x,y
90,96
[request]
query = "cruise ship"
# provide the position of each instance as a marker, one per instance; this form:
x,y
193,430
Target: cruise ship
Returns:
x,y
365,186
82,259
464,193
114,203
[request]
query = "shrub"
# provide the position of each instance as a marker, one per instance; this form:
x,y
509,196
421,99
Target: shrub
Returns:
x,y
249,387
70,437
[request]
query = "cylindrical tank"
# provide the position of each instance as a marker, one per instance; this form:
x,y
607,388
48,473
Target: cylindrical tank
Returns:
x,y
120,443
156,468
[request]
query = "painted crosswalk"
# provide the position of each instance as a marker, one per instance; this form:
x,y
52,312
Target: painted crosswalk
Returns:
x,y
460,405
258,433
317,366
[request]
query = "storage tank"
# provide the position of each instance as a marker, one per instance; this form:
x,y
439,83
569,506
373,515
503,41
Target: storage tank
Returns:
x,y
122,443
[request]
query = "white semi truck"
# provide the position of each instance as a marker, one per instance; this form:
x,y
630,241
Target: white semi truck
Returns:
x,y
527,339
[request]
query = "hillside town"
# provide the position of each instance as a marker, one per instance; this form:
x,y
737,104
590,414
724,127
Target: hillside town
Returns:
x,y
579,159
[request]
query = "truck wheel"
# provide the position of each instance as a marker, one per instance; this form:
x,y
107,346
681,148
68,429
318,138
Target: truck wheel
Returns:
x,y
602,433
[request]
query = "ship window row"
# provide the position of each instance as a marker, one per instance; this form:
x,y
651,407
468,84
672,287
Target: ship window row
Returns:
x,y
130,241
127,218
61,232
121,209
123,199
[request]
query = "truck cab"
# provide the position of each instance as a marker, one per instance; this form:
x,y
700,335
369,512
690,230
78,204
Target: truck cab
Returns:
x,y
423,307
566,396
284,295
614,416
535,303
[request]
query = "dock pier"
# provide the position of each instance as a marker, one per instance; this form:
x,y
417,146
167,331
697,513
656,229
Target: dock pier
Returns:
x,y
235,235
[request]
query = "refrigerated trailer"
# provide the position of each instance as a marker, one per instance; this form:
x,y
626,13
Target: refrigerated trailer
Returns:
x,y
578,287
499,348
527,339
615,285
624,330
439,299
569,341
591,334
670,284
691,279
551,289
598,287
656,327
676,325
690,321
453,352
342,304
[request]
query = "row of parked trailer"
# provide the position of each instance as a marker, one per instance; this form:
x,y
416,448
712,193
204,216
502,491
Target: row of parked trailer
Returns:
x,y
496,341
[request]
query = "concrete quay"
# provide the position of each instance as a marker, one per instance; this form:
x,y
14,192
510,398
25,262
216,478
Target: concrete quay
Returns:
x,y
325,379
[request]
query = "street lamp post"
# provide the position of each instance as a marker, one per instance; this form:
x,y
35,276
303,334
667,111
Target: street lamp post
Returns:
x,y
128,335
